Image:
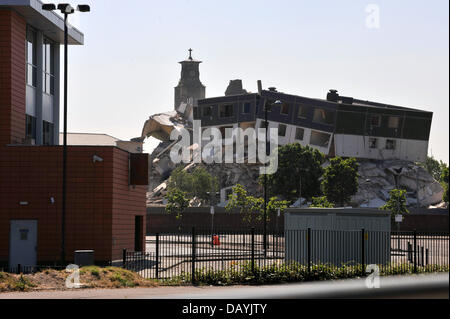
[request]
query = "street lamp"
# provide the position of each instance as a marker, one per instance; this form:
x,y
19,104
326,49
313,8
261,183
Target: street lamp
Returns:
x,y
65,9
266,124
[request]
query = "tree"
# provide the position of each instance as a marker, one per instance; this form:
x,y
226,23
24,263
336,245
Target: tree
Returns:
x,y
444,182
251,207
177,202
397,202
199,183
298,173
321,202
434,167
340,180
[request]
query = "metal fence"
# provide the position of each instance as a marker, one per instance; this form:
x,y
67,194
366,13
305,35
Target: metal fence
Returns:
x,y
169,255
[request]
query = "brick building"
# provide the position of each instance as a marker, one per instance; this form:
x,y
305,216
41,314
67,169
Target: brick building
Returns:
x,y
106,185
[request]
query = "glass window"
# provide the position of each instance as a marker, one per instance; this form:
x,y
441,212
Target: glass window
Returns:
x,y
48,67
320,139
299,133
246,108
393,121
375,120
206,111
323,116
47,136
302,112
31,59
373,142
281,130
226,110
285,109
390,144
30,127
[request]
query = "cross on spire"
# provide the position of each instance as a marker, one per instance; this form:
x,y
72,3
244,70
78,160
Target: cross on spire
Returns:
x,y
190,54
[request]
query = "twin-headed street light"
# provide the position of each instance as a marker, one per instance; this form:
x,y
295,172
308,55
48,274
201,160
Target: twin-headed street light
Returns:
x,y
65,9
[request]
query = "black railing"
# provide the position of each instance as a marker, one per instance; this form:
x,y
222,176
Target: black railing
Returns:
x,y
171,255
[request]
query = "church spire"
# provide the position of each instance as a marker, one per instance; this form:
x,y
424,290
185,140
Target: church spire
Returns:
x,y
190,54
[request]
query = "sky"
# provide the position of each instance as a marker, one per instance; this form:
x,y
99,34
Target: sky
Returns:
x,y
394,52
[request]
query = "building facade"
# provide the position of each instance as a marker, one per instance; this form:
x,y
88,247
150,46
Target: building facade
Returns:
x,y
336,126
106,185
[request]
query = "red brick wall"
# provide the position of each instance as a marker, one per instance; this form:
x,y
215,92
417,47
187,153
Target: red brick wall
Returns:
x,y
128,202
12,77
97,209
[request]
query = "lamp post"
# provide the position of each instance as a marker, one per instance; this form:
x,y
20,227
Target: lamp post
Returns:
x,y
266,124
65,9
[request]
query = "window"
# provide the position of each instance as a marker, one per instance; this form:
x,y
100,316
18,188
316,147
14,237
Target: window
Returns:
x,y
207,111
246,108
302,112
285,109
268,105
299,133
48,83
195,112
226,110
282,130
47,134
373,142
31,59
319,139
375,120
323,116
30,127
393,121
390,144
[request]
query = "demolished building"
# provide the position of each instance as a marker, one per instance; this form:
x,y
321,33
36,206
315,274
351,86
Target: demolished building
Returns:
x,y
386,139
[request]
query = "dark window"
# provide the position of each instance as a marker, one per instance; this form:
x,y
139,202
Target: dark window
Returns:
x,y
320,139
194,112
373,142
207,111
323,116
268,105
299,133
246,108
30,127
47,133
281,130
375,120
390,144
31,59
285,109
302,112
48,84
226,110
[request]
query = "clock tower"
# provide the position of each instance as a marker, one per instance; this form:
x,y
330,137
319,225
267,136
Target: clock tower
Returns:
x,y
189,85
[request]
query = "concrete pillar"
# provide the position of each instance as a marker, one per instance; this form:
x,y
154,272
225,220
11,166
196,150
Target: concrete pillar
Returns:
x,y
39,86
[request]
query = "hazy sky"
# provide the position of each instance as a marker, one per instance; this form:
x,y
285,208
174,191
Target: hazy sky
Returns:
x,y
127,69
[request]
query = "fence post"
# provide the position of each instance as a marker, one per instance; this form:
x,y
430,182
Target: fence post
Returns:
x,y
415,251
309,250
19,269
124,258
426,258
410,259
422,256
253,249
193,255
157,256
363,261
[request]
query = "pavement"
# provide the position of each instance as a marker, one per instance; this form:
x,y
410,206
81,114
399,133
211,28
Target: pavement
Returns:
x,y
414,286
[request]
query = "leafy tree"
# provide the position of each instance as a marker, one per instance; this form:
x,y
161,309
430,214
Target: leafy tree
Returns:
x,y
434,167
397,202
198,184
247,204
177,202
321,202
444,181
340,180
252,208
299,171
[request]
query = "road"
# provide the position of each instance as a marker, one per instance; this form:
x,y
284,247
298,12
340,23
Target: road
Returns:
x,y
417,286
